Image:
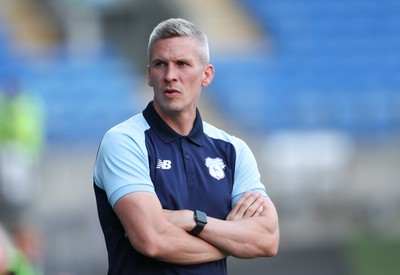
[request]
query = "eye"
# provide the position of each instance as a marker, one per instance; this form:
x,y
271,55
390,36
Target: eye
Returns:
x,y
160,64
182,63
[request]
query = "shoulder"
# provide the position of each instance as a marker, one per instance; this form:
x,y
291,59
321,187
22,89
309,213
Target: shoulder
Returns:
x,y
216,133
135,125
124,140
130,129
120,145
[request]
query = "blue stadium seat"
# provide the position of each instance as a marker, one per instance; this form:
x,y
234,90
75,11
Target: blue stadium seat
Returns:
x,y
84,97
333,65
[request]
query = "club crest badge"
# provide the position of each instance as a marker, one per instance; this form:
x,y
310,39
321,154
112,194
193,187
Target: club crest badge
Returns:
x,y
216,167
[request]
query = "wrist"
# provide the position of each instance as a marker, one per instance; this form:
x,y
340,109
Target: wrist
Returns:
x,y
190,222
200,220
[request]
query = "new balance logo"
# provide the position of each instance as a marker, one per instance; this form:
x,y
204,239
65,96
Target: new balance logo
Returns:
x,y
163,164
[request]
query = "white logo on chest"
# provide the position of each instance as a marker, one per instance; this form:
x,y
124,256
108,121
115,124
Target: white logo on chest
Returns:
x,y
163,164
216,167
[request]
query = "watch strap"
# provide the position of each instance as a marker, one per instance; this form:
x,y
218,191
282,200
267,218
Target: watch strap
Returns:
x,y
201,221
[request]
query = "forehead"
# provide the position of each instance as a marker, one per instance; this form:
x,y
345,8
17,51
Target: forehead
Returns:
x,y
176,48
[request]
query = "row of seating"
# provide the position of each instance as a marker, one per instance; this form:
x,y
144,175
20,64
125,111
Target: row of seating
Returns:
x,y
83,95
328,65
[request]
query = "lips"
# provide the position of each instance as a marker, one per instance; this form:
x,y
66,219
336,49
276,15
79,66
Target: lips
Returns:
x,y
171,91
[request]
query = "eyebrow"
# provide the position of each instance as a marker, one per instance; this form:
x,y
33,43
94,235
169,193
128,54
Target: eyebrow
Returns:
x,y
158,60
186,60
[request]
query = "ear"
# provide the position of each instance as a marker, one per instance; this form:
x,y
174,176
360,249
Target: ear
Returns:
x,y
208,75
149,82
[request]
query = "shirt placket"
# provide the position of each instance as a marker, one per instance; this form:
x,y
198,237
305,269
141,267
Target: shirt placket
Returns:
x,y
188,161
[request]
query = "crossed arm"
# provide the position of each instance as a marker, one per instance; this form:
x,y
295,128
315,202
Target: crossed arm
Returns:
x,y
250,230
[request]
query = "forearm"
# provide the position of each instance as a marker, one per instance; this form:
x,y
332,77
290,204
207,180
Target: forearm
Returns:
x,y
153,235
245,234
177,246
247,238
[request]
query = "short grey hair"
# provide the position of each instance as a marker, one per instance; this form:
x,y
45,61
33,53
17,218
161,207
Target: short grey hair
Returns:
x,y
178,27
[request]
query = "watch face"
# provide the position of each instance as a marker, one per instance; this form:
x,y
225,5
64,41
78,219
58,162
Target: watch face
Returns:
x,y
201,216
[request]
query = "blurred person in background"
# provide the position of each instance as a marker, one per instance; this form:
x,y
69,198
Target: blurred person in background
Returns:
x,y
176,195
21,144
12,260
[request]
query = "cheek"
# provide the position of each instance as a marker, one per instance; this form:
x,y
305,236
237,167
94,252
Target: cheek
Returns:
x,y
196,80
152,81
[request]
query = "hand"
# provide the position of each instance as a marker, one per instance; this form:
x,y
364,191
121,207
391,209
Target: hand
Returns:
x,y
181,218
249,205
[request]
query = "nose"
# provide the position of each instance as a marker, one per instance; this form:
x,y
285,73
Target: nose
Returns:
x,y
170,74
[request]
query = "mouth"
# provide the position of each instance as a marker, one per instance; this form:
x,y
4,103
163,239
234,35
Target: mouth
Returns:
x,y
171,91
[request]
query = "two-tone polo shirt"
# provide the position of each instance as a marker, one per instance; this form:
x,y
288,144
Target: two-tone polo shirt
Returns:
x,y
207,170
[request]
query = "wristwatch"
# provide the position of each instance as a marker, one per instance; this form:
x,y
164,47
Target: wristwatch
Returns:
x,y
201,221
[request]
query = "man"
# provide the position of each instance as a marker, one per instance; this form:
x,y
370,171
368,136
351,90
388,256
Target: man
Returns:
x,y
176,195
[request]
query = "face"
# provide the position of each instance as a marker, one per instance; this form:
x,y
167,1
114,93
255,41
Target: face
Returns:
x,y
177,75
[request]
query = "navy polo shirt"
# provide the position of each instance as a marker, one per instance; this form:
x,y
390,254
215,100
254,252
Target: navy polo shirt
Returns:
x,y
207,170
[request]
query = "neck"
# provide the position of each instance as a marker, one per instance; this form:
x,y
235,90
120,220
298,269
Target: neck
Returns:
x,y
180,121
182,124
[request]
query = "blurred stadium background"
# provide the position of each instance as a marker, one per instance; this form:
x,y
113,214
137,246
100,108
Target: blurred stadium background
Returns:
x,y
312,85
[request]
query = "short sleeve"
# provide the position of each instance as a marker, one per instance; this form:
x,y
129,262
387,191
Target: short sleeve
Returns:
x,y
121,165
247,176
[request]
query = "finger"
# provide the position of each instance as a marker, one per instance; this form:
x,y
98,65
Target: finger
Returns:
x,y
260,209
244,205
237,205
249,206
254,208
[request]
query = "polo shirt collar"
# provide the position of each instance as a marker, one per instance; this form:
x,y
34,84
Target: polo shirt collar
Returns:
x,y
166,133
